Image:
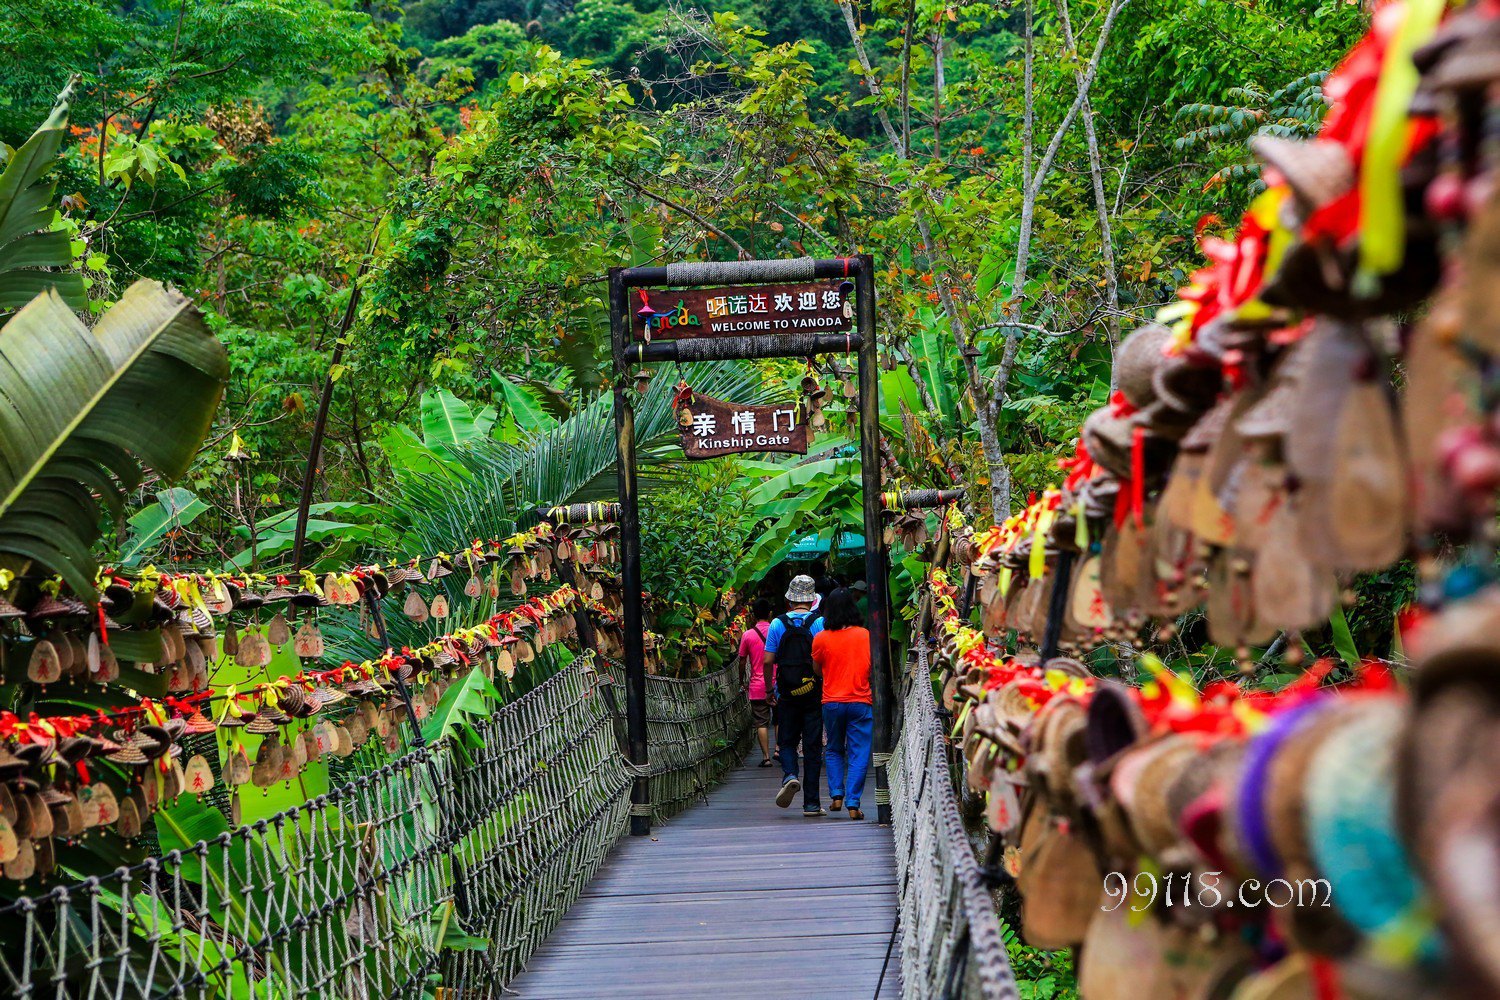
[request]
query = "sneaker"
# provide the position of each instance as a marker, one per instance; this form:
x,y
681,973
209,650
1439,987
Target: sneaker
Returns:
x,y
789,789
814,811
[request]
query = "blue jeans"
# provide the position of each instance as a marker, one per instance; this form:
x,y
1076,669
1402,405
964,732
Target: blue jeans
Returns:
x,y
849,725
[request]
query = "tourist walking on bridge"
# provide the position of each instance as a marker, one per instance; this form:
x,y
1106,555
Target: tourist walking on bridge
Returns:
x,y
789,643
760,684
841,656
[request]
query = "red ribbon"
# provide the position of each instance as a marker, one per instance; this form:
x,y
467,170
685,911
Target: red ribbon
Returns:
x,y
1138,475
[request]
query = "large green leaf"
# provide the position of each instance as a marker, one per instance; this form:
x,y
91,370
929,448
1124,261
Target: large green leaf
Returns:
x,y
1343,638
446,420
472,698
174,508
523,407
29,250
81,411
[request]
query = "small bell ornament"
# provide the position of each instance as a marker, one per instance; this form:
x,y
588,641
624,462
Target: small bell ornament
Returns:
x,y
278,632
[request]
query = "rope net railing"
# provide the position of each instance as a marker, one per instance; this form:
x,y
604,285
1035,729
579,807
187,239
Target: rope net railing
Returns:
x,y
436,873
951,945
698,728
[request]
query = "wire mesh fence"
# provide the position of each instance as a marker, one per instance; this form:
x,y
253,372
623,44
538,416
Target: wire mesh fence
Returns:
x,y
434,875
951,946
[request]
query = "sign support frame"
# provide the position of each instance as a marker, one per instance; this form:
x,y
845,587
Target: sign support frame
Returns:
x,y
861,342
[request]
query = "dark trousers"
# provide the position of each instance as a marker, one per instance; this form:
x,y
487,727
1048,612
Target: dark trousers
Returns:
x,y
802,720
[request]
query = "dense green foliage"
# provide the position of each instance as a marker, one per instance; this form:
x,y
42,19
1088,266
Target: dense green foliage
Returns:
x,y
473,168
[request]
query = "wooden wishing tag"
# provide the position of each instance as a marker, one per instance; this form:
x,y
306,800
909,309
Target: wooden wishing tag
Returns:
x,y
1002,808
288,770
23,865
175,781
88,807
311,750
109,666
1368,490
1261,491
297,752
325,739
505,664
41,818
1120,570
129,823
44,665
46,858
92,654
7,804
392,741
263,775
340,591
237,767
343,741
1289,591
1208,519
1177,497
474,587
358,730
179,677
1086,605
107,803
10,845
278,632
308,642
198,777
439,607
414,607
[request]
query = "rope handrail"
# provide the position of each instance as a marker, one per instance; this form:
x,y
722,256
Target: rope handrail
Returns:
x,y
951,945
447,863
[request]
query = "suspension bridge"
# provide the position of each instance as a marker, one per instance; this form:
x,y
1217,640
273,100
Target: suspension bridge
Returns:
x,y
502,866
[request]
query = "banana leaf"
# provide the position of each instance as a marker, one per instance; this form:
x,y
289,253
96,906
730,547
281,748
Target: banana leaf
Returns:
x,y
29,248
83,411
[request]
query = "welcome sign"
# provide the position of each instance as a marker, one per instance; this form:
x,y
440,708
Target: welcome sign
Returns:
x,y
712,427
744,311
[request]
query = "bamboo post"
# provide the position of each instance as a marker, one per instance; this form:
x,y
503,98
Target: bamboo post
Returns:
x,y
881,689
630,559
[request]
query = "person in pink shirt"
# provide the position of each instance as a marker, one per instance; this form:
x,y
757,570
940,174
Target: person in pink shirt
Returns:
x,y
760,686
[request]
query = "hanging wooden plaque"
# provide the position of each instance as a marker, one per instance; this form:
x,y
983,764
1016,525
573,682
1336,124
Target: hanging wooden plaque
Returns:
x,y
743,311
710,427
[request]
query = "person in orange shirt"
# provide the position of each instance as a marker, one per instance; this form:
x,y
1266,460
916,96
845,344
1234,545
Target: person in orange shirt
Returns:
x,y
841,658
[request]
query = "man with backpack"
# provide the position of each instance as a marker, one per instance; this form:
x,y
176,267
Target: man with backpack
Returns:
x,y
799,694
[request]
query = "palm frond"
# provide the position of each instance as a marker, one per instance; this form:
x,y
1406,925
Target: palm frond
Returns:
x,y
572,462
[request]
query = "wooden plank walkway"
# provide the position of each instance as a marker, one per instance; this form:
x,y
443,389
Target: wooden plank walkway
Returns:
x,y
731,900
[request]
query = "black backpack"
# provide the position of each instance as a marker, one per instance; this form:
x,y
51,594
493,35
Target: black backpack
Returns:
x,y
794,662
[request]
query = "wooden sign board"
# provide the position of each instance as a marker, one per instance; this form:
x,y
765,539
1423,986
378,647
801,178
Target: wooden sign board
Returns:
x,y
711,427
743,311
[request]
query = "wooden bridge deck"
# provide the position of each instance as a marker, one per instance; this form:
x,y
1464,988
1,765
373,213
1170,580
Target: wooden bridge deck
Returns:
x,y
733,899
